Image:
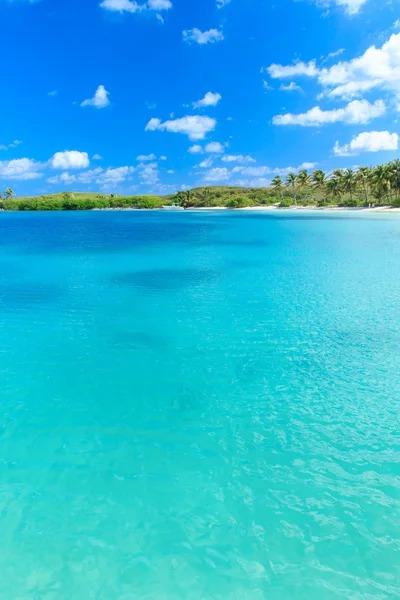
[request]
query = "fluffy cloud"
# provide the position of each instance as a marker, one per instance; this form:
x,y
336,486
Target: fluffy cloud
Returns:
x,y
132,6
217,174
239,158
96,157
376,69
195,127
20,169
104,177
64,178
99,100
209,99
114,176
250,176
351,7
206,164
299,69
196,149
144,158
214,148
200,37
263,170
369,141
70,159
358,111
148,173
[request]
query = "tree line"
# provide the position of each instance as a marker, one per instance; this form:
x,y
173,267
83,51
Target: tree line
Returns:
x,y
379,184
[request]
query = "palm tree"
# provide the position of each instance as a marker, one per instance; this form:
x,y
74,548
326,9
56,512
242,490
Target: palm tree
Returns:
x,y
291,181
381,180
277,184
184,198
320,179
394,168
206,197
334,188
9,193
363,177
304,181
349,182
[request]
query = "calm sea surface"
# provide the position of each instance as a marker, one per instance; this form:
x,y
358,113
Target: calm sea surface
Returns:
x,y
199,406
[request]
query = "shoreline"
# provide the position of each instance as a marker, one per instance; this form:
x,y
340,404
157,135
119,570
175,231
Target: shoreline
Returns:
x,y
260,209
385,209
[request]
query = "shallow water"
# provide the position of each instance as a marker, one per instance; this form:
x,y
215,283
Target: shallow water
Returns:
x,y
199,406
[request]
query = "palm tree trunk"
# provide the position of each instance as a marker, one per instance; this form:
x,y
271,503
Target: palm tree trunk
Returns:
x,y
366,193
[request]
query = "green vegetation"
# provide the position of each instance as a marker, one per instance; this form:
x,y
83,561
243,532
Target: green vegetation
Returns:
x,y
368,185
80,201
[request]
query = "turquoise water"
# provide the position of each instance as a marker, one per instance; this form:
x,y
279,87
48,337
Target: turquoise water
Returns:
x,y
199,406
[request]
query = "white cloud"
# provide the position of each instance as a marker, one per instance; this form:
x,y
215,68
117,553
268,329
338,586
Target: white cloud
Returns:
x,y
252,171
253,183
221,3
107,178
99,100
351,7
262,171
299,69
121,5
195,127
114,176
20,169
13,144
132,6
70,159
96,157
207,163
214,148
239,158
196,149
358,111
148,173
292,87
217,174
53,93
376,69
163,158
258,175
64,178
159,4
209,99
200,37
369,141
144,158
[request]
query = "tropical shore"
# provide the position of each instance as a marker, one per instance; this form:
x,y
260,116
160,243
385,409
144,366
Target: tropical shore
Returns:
x,y
385,209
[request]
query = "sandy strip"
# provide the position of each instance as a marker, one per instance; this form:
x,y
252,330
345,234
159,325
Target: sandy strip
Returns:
x,y
385,209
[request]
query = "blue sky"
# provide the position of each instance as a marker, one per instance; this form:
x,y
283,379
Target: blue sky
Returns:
x,y
152,97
